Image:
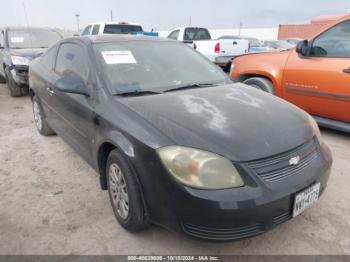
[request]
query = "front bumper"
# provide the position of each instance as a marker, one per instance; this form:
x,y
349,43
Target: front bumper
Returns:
x,y
20,74
232,214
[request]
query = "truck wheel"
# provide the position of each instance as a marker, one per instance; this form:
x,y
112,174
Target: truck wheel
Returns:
x,y
40,119
13,89
261,83
124,193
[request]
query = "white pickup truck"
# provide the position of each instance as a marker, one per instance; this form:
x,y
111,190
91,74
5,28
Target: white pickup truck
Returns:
x,y
220,51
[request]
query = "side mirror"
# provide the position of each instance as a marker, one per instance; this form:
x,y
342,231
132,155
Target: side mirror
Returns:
x,y
303,48
72,85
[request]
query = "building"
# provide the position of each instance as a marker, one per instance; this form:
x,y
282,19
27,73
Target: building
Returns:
x,y
306,31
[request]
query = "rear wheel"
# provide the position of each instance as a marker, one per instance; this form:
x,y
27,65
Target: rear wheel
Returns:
x,y
261,83
124,193
40,120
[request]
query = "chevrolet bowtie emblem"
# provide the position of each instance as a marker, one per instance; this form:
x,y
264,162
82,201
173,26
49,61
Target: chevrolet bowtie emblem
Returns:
x,y
294,161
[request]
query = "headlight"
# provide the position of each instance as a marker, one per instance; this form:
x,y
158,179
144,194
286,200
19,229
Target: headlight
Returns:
x,y
20,60
316,129
200,169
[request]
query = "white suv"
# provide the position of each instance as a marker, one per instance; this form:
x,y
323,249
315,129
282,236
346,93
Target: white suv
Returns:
x,y
112,28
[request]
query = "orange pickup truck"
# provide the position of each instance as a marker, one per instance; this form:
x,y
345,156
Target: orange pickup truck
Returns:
x,y
314,76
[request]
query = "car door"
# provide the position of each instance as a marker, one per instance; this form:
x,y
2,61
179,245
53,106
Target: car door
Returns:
x,y
42,81
320,82
74,112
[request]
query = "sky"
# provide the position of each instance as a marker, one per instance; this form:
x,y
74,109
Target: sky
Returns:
x,y
168,14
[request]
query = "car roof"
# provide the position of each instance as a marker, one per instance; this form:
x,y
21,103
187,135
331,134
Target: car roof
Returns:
x,y
115,23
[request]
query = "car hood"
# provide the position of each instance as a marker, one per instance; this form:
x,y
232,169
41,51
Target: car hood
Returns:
x,y
267,52
28,52
236,121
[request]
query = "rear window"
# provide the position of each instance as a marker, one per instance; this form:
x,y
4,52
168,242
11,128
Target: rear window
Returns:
x,y
196,34
122,29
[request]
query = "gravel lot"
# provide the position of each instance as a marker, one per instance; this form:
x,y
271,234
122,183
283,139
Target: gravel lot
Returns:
x,y
51,203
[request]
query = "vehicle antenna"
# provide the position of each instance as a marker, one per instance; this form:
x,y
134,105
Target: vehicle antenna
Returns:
x,y
25,14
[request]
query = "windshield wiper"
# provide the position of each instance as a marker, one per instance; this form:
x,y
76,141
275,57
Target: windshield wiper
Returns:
x,y
137,93
196,85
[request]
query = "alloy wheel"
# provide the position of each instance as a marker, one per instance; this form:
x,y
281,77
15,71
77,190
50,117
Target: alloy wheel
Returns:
x,y
118,191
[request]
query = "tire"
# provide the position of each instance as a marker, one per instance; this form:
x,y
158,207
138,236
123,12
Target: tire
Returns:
x,y
261,83
40,120
227,67
2,80
124,193
13,89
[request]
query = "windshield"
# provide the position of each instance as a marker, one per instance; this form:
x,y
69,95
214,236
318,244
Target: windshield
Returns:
x,y
156,66
254,42
284,45
122,29
32,38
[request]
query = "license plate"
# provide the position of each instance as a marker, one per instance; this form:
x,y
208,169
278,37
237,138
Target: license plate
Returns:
x,y
306,198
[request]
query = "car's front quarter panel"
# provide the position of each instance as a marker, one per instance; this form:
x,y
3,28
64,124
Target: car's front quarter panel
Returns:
x,y
269,65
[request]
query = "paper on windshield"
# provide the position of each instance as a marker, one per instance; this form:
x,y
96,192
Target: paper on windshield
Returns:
x,y
17,39
118,57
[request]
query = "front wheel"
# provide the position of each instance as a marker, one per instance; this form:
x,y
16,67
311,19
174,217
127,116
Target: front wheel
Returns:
x,y
2,80
13,89
40,120
124,193
261,84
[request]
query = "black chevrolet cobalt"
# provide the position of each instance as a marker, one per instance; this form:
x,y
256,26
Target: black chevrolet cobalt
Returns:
x,y
174,141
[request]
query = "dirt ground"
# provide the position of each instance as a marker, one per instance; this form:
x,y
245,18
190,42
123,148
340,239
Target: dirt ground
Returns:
x,y
51,203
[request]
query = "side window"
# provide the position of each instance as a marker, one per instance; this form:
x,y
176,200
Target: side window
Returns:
x,y
174,35
333,43
48,58
87,30
95,29
71,60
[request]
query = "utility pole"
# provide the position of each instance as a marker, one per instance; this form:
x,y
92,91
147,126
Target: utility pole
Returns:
x,y
78,21
190,21
240,27
111,15
25,14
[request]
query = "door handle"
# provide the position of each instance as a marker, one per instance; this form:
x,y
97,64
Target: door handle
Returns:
x,y
346,71
50,91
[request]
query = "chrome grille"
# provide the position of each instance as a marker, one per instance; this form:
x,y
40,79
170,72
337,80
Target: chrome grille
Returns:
x,y
278,167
